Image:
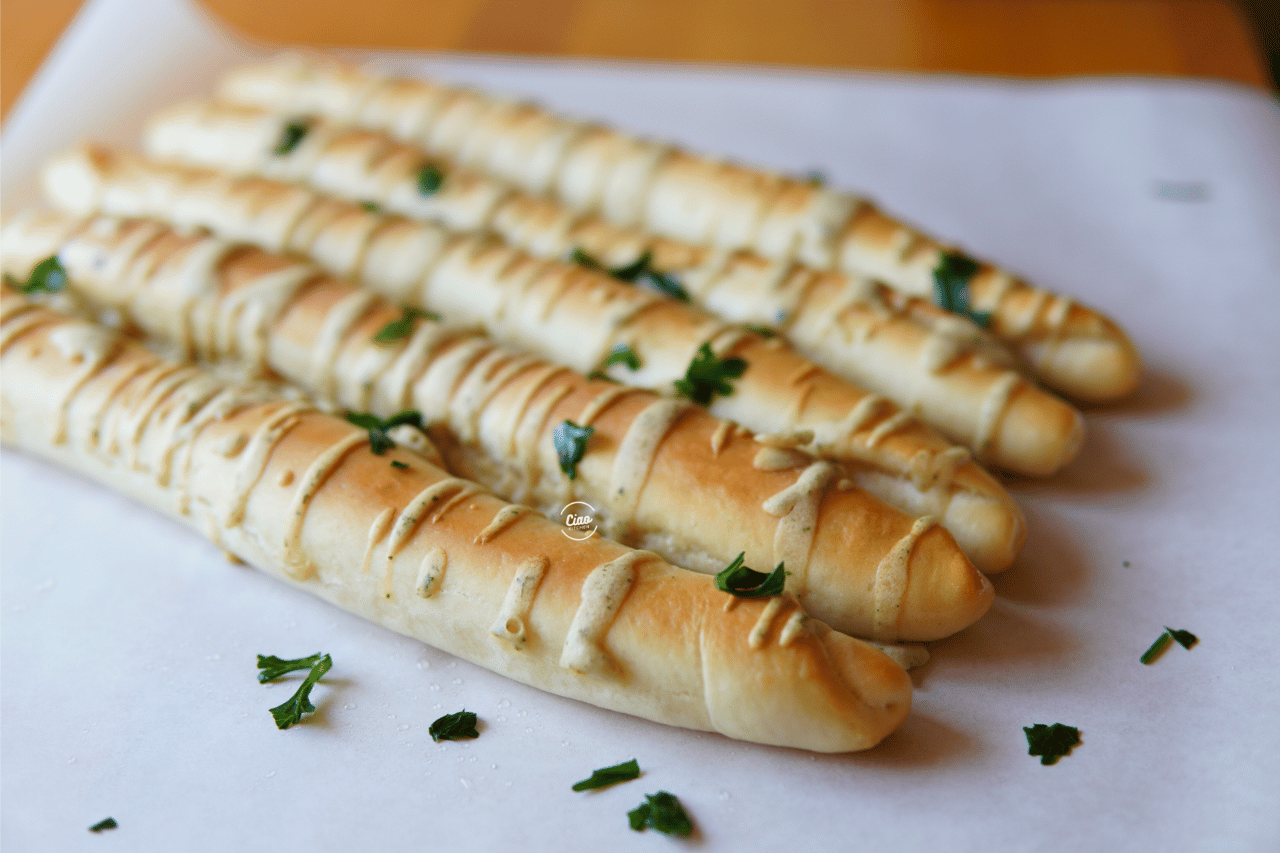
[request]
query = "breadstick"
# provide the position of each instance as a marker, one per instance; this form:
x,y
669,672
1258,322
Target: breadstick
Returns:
x,y
913,469
649,471
638,182
1003,418
298,494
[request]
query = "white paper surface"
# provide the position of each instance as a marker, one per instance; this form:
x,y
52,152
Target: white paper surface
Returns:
x,y
127,644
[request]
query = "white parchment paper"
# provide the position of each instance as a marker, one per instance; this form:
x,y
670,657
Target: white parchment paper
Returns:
x,y
127,659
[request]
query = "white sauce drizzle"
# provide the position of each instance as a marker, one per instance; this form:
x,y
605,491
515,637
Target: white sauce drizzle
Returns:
x,y
793,627
90,347
296,565
635,457
603,592
512,616
778,459
502,519
891,580
377,530
993,406
797,507
720,437
602,401
755,639
335,328
395,385
887,427
254,462
430,571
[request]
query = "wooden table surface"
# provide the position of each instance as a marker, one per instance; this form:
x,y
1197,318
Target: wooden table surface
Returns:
x,y
1019,38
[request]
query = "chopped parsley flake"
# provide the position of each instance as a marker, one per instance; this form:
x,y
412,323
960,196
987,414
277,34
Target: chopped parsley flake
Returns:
x,y
571,445
622,354
396,463
1186,639
430,179
292,709
606,776
458,726
292,134
48,276
639,271
709,376
737,579
762,331
400,329
273,667
105,823
371,206
663,812
1051,742
379,439
951,286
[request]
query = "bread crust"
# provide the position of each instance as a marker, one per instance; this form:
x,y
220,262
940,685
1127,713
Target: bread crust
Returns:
x,y
632,181
567,314
650,471
939,368
299,494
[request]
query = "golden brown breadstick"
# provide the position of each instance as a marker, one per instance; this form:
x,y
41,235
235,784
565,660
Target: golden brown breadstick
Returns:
x,y
298,494
422,264
637,182
650,469
932,371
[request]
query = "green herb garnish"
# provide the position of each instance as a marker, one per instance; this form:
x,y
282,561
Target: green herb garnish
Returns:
x,y
1156,648
762,331
459,726
105,823
371,206
737,579
951,286
292,709
399,329
639,271
1186,639
273,667
815,178
571,445
1051,742
292,134
430,179
708,376
49,276
379,439
663,812
606,776
622,354
396,463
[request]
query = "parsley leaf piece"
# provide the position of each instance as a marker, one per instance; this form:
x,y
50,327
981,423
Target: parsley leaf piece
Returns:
x,y
430,179
622,354
815,178
49,276
371,206
292,134
663,812
292,709
273,667
762,331
459,726
737,579
396,463
639,271
1156,648
951,286
1186,639
606,776
379,439
571,445
708,376
1051,742
105,823
399,329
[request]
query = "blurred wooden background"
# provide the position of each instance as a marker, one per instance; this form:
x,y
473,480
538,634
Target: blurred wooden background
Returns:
x,y
1021,38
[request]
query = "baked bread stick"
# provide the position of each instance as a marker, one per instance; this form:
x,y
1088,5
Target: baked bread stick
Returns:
x,y
473,280
1006,420
298,494
649,470
632,181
